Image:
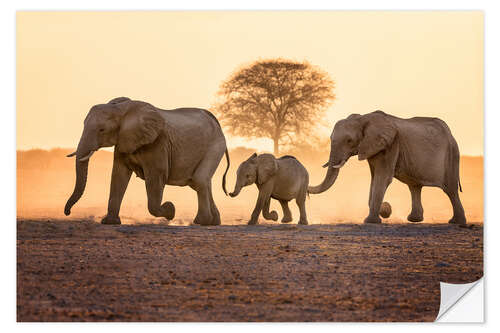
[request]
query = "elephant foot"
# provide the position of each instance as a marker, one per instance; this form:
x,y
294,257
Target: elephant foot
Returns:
x,y
206,220
198,220
373,220
273,215
303,222
415,217
458,220
111,220
211,223
215,220
168,210
253,222
385,210
286,219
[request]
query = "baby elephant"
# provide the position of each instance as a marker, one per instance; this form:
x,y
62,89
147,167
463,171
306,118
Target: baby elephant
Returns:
x,y
282,179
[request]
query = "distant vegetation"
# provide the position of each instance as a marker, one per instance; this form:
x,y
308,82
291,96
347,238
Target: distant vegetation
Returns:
x,y
277,99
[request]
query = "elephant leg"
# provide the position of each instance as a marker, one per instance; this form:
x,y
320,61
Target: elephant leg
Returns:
x,y
204,215
287,214
120,176
379,184
301,202
458,209
417,211
273,215
371,184
202,183
154,189
264,196
382,167
451,185
213,208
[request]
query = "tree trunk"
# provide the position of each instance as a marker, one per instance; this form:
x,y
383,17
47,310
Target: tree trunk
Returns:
x,y
276,146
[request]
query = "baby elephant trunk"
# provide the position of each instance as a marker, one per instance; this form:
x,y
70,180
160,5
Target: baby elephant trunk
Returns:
x,y
237,190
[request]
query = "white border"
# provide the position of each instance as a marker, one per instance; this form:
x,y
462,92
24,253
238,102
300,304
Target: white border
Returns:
x,y
7,132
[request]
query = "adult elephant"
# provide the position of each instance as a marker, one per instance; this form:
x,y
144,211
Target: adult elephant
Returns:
x,y
418,151
163,147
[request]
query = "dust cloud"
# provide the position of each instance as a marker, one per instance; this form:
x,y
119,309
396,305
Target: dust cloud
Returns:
x,y
45,180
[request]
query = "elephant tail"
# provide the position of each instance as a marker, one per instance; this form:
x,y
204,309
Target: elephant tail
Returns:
x,y
225,172
459,185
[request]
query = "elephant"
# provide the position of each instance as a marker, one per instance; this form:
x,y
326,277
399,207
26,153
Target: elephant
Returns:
x,y
419,151
163,147
282,179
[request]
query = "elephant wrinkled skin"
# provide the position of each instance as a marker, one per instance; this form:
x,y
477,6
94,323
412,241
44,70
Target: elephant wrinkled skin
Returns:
x,y
419,151
282,179
163,147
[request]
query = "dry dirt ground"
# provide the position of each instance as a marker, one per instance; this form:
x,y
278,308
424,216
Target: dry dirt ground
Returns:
x,y
84,271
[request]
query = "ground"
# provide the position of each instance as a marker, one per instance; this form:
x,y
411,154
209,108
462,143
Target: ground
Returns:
x,y
84,271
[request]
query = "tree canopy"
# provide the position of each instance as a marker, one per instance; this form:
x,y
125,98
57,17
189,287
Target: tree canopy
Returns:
x,y
277,99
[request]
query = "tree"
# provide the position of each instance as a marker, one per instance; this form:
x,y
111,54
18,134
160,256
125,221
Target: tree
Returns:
x,y
277,99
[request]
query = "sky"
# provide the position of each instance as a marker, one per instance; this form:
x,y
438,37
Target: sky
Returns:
x,y
404,63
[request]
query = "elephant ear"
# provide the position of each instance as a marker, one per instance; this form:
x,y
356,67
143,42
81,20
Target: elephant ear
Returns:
x,y
139,127
252,158
118,100
266,167
378,135
354,116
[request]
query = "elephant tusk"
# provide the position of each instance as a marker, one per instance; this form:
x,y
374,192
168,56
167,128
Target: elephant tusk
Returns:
x,y
72,154
326,164
337,166
87,157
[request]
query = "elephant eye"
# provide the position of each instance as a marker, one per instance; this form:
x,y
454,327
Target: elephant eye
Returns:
x,y
349,140
101,130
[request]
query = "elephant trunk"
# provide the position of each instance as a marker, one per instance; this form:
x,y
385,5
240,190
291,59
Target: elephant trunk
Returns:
x,y
82,168
331,176
83,154
237,190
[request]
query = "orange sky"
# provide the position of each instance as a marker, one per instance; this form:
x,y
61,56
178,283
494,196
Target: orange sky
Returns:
x,y
405,63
